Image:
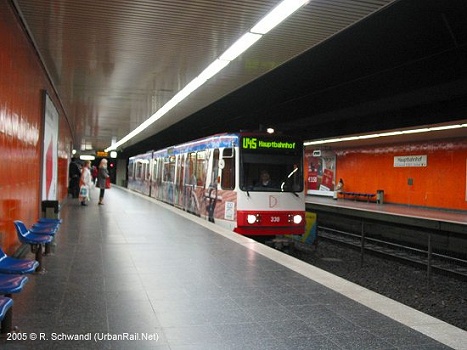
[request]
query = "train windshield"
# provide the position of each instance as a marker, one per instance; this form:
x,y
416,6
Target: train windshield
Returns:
x,y
272,166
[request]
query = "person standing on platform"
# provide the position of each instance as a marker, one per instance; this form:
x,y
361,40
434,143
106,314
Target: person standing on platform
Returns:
x,y
94,173
85,183
102,176
338,188
74,173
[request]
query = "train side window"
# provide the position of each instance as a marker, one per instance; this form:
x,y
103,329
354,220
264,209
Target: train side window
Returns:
x,y
131,170
228,170
169,169
148,171
215,168
139,170
180,169
201,168
156,171
190,169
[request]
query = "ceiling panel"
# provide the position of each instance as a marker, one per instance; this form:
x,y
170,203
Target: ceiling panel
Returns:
x,y
114,63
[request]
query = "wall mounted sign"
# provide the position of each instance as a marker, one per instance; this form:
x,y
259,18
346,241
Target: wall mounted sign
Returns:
x,y
50,150
410,161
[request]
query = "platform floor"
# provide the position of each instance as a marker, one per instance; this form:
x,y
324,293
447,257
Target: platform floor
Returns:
x,y
133,269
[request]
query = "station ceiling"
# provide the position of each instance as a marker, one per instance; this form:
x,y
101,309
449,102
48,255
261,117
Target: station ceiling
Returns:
x,y
335,67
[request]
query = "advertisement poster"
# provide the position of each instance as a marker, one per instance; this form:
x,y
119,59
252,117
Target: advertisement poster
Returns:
x,y
50,157
321,169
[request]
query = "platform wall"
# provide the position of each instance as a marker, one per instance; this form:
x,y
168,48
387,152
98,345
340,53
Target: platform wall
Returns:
x,y
22,85
439,184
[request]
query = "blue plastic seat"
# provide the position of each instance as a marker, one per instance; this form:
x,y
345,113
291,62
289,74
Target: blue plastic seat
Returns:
x,y
5,304
50,220
41,230
10,284
35,240
28,237
16,266
47,224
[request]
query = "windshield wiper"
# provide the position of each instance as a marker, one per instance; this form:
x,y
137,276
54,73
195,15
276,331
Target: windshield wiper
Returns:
x,y
288,177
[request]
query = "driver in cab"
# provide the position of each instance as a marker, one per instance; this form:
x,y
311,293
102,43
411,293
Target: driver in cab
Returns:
x,y
265,180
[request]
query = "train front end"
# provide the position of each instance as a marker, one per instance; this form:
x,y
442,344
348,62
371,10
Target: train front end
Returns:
x,y
271,198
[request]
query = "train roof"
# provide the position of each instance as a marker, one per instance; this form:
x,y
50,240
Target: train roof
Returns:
x,y
222,140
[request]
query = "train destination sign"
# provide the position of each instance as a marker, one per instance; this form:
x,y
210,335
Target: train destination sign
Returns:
x,y
257,143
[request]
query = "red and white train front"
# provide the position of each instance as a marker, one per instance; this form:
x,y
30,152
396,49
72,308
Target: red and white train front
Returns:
x,y
270,199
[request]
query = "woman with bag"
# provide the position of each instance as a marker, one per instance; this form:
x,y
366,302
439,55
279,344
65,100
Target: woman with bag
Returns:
x,y
102,177
85,183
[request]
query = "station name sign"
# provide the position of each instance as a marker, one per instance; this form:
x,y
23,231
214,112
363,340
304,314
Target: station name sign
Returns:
x,y
410,161
257,143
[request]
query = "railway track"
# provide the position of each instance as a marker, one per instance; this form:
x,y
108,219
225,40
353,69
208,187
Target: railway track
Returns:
x,y
432,261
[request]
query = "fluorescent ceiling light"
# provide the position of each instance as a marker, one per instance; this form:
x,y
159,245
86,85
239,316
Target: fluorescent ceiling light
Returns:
x,y
390,133
87,157
277,15
240,46
384,134
188,89
446,127
415,131
272,19
214,68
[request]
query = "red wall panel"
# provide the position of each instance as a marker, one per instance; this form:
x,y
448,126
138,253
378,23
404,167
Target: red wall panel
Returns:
x,y
441,184
22,82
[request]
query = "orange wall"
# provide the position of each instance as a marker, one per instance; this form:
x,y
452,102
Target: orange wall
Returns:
x,y
441,184
22,82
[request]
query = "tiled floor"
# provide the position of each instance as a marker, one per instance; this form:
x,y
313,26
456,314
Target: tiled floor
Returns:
x,y
135,269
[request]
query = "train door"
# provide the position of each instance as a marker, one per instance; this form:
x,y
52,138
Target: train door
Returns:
x,y
212,180
156,190
201,173
168,175
131,173
227,169
228,195
147,177
190,203
179,179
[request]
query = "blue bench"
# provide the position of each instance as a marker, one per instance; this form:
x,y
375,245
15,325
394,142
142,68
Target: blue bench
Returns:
x,y
10,265
35,240
10,284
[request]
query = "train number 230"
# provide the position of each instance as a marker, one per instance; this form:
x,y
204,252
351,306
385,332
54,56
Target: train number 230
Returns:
x,y
275,219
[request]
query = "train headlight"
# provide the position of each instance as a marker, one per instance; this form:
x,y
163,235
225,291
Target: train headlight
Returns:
x,y
253,218
296,219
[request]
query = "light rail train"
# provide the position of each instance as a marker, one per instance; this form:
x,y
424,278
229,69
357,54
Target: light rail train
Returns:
x,y
224,179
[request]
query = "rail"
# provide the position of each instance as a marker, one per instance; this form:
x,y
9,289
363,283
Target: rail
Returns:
x,y
431,260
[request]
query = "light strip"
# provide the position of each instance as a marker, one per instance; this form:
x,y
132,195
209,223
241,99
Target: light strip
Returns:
x,y
272,19
385,134
277,15
240,46
87,157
